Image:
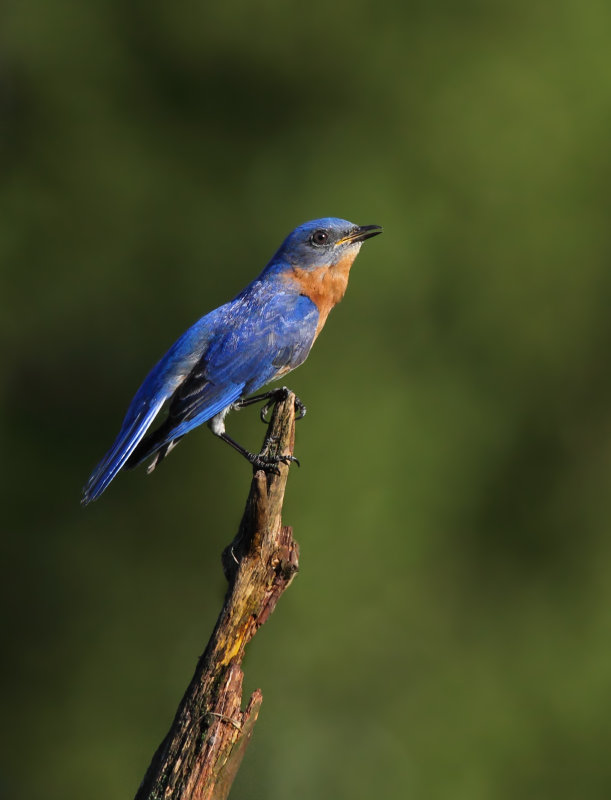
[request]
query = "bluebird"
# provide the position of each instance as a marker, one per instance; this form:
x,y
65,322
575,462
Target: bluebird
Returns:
x,y
258,337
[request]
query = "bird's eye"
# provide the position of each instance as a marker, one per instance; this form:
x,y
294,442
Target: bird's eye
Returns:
x,y
319,238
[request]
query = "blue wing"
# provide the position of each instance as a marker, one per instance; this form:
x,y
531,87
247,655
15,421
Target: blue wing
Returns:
x,y
234,350
264,334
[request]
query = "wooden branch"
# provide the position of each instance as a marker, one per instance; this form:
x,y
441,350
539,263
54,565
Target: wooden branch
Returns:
x,y
201,754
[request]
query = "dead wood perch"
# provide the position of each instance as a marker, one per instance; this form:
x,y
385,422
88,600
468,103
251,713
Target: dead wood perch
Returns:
x,y
200,756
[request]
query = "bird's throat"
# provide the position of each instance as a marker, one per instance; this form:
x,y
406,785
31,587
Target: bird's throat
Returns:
x,y
325,286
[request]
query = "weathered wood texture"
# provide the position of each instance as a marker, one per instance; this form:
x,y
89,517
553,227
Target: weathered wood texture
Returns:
x,y
200,756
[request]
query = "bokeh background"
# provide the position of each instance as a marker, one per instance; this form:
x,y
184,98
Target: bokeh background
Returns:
x,y
449,634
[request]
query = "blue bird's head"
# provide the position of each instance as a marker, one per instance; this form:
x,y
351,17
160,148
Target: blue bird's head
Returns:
x,y
323,243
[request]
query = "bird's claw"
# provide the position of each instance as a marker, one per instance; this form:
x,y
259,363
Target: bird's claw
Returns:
x,y
265,410
300,409
270,463
281,394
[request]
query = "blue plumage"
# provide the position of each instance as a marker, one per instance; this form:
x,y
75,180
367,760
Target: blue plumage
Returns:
x,y
259,336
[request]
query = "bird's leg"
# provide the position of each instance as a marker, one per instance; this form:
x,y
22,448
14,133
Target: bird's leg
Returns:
x,y
267,463
273,396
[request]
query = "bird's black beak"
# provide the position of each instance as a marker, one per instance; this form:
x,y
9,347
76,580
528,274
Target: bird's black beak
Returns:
x,y
360,234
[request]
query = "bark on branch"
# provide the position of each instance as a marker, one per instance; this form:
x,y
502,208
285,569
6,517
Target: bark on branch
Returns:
x,y
200,755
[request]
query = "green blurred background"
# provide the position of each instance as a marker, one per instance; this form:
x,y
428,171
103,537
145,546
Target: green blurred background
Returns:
x,y
449,635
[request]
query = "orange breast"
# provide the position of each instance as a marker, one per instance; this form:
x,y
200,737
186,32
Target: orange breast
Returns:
x,y
325,286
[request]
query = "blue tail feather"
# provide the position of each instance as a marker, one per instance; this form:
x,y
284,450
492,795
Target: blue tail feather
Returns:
x,y
127,441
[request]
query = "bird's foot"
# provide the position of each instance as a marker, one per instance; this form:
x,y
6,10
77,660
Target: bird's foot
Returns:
x,y
270,463
272,397
275,396
260,460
